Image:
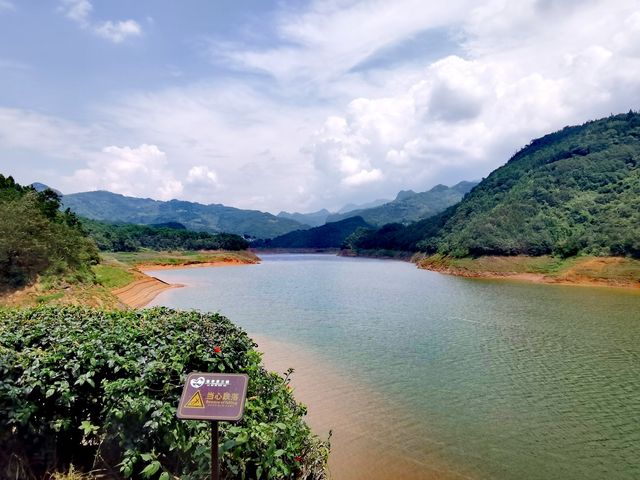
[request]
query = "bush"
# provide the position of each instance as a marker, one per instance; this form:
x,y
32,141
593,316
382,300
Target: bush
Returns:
x,y
99,390
37,239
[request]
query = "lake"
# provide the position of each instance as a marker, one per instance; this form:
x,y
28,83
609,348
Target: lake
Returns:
x,y
457,378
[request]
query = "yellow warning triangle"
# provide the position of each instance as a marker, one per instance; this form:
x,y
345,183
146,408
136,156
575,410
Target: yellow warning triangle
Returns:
x,y
195,401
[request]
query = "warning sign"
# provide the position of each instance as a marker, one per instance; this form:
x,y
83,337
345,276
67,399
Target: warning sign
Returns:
x,y
213,396
195,401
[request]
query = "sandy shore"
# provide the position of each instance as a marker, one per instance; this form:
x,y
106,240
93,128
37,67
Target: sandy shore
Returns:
x,y
223,263
369,440
143,290
591,272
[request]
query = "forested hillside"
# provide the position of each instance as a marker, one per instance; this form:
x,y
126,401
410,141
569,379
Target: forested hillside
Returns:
x,y
171,236
36,238
410,206
112,207
330,235
575,191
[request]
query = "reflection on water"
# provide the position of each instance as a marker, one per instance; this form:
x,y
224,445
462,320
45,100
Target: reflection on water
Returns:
x,y
467,378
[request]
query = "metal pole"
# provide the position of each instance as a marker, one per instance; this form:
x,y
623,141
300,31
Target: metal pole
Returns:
x,y
215,461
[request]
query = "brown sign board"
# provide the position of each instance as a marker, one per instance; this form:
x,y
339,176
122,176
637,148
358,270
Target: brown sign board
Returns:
x,y
213,396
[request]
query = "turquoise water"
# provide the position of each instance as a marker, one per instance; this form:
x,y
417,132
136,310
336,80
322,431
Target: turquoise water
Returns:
x,y
504,380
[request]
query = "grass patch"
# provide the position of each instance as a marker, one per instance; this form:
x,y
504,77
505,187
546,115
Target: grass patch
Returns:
x,y
150,257
113,276
44,299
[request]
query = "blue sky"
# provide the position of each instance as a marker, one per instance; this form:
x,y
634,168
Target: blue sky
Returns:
x,y
299,105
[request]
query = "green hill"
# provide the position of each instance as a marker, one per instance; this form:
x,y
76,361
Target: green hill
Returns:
x,y
409,206
329,235
575,191
161,237
112,207
37,239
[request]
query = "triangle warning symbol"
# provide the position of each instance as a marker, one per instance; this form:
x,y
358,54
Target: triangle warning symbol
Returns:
x,y
195,401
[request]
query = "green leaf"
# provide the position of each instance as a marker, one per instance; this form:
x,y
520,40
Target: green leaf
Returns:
x,y
228,445
242,438
151,469
164,476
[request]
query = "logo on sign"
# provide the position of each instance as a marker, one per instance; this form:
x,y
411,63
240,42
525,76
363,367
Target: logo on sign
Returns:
x,y
197,382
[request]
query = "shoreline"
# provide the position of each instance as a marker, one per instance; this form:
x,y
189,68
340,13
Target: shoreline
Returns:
x,y
145,288
140,292
607,272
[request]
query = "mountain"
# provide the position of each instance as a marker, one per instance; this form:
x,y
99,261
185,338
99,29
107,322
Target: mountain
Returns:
x,y
410,206
113,207
575,191
329,235
314,219
41,187
350,207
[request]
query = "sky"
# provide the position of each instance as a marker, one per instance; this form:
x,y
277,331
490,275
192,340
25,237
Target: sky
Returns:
x,y
294,105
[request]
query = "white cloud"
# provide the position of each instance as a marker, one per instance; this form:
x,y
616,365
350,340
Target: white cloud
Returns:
x,y
329,38
80,12
118,31
140,171
363,177
462,117
53,136
202,175
77,10
321,132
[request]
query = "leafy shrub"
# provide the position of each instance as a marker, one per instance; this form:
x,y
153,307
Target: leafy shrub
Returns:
x,y
99,390
36,238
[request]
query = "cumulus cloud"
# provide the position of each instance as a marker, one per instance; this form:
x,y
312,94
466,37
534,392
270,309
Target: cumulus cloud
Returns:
x,y
318,129
464,116
80,12
139,171
202,175
118,31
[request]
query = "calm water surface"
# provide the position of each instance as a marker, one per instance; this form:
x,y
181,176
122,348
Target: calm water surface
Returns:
x,y
504,380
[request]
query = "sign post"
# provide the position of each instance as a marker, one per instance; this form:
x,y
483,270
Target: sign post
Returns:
x,y
214,397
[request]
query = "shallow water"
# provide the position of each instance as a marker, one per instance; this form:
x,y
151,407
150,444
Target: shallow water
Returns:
x,y
472,378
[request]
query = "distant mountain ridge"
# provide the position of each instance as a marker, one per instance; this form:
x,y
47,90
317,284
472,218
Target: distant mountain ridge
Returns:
x,y
410,206
41,187
113,207
329,235
350,207
313,219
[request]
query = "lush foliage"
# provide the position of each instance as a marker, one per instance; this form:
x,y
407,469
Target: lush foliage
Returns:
x,y
576,191
329,235
410,206
131,238
36,238
100,389
112,207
